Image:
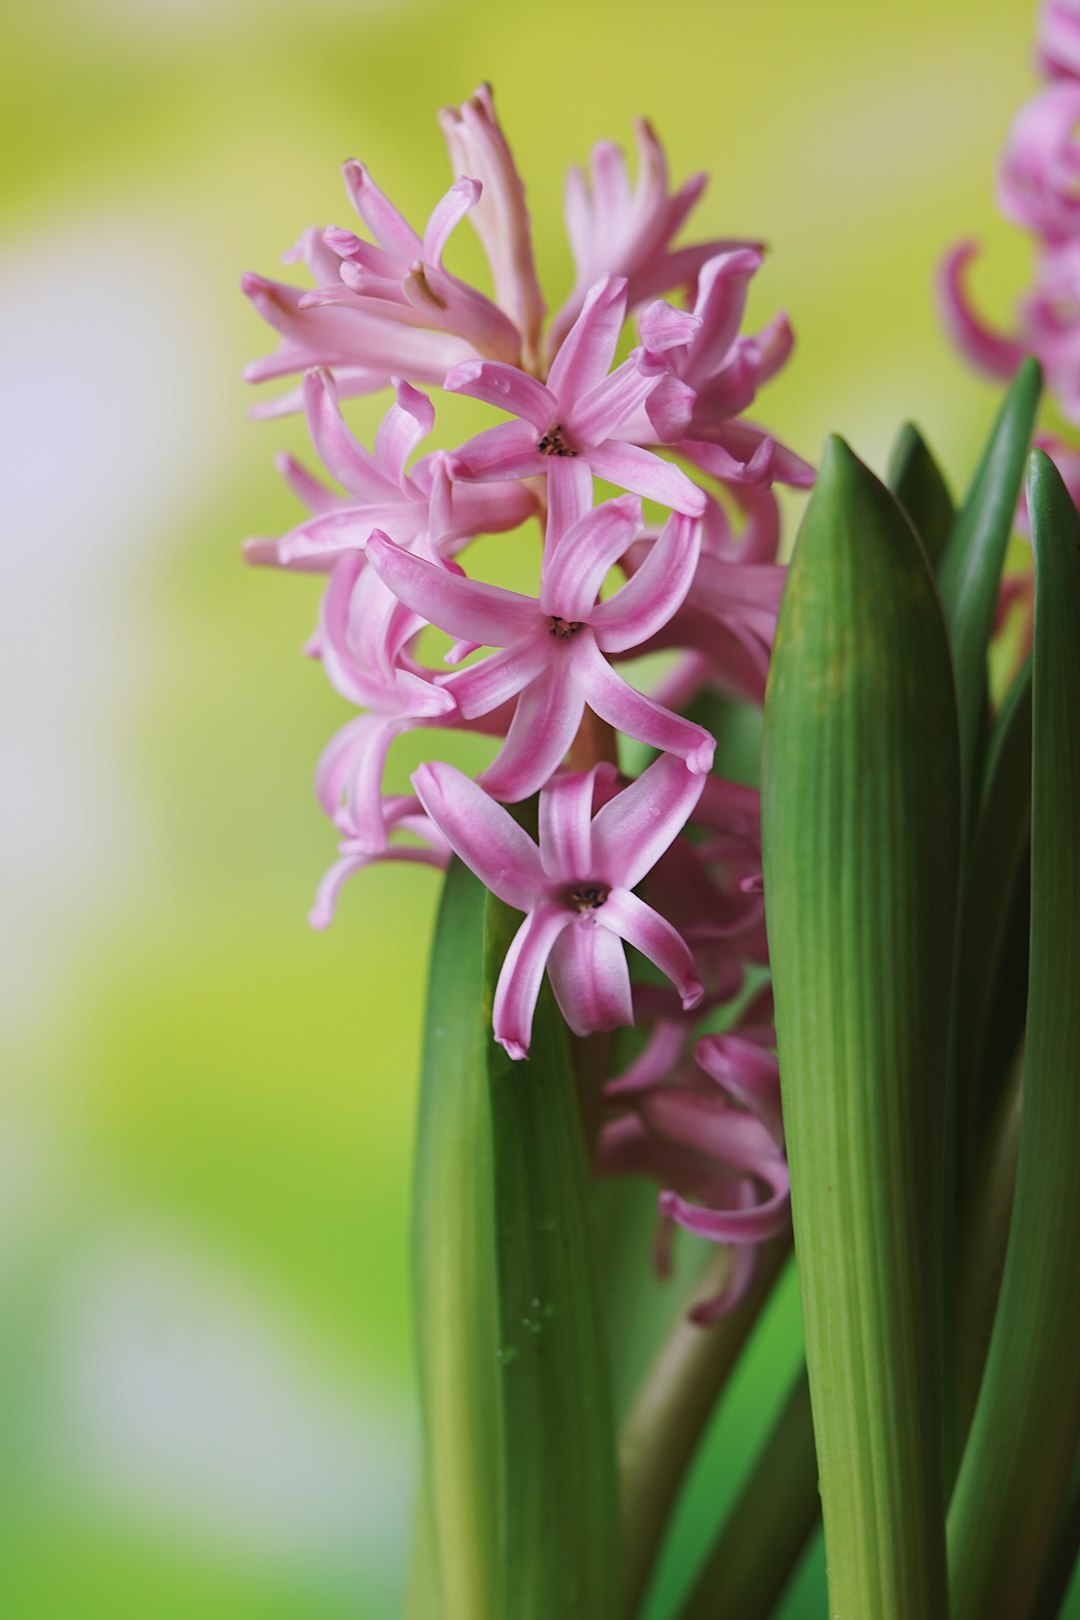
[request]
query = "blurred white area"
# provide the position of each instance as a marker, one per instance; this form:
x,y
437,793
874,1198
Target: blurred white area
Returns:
x,y
106,414
179,1398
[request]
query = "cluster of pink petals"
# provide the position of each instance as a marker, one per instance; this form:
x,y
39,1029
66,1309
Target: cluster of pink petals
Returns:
x,y
641,380
1039,190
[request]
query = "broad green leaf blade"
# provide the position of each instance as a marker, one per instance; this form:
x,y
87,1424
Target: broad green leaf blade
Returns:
x,y
518,1436
970,570
860,823
998,847
768,1527
1027,1422
919,485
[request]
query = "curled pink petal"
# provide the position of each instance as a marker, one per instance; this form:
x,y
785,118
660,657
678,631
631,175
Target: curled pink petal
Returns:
x,y
545,723
609,696
985,348
654,593
655,938
507,388
648,475
522,971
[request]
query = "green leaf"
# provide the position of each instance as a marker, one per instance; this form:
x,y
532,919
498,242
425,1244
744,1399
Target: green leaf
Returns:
x,y
518,1437
970,570
919,485
860,826
1027,1422
997,851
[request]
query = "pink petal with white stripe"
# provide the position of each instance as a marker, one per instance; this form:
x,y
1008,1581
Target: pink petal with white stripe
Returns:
x,y
630,467
654,593
565,822
499,677
582,556
507,450
585,357
632,831
521,976
507,388
590,978
545,723
609,696
382,219
482,833
468,608
655,938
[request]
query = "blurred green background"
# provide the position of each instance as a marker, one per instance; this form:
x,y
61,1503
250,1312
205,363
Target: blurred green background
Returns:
x,y
206,1400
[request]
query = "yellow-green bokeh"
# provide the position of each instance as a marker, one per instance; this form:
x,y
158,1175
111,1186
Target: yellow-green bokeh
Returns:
x,y
206,1402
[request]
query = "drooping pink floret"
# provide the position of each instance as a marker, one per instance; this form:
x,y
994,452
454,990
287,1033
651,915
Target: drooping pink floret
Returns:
x,y
710,1132
575,888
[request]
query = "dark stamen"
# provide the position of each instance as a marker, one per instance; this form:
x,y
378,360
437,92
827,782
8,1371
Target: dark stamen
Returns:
x,y
563,629
589,897
555,443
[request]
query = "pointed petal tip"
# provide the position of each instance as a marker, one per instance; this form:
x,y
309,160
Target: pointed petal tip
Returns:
x,y
692,993
513,1048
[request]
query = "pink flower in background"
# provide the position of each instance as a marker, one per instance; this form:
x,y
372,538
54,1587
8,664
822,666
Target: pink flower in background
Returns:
x,y
575,889
710,1133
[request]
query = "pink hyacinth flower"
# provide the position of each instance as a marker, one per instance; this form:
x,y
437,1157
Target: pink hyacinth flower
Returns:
x,y
711,373
721,1144
630,231
381,492
575,888
576,424
500,218
401,277
554,648
1059,38
362,350
1039,185
363,640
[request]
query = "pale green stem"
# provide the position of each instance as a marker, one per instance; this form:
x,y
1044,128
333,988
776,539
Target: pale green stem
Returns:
x,y
668,1417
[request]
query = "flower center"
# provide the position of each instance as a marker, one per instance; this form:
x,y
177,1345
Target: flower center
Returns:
x,y
563,629
555,442
588,897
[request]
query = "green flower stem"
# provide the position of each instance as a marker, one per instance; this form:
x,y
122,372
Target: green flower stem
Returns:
x,y
668,1417
860,831
764,1535
1027,1423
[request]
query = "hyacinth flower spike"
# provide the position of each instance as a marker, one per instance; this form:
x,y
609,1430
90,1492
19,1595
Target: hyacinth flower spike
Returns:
x,y
581,422
381,492
554,648
575,889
